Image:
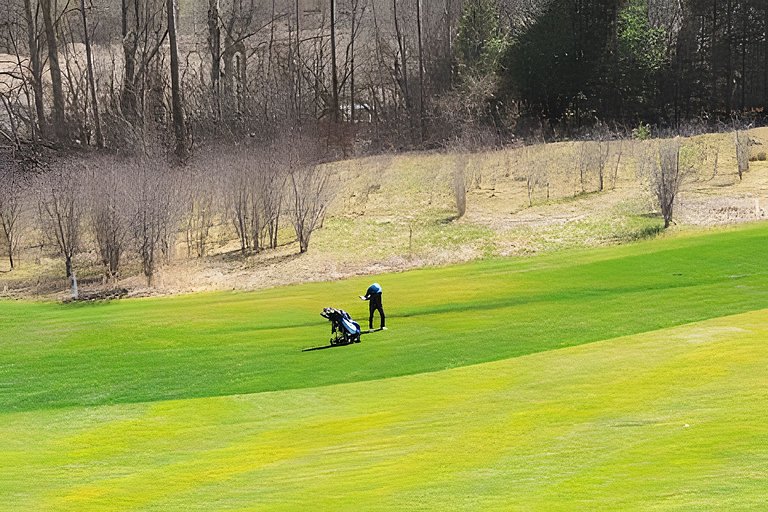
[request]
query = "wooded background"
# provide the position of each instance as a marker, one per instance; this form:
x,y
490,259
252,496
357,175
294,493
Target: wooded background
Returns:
x,y
370,75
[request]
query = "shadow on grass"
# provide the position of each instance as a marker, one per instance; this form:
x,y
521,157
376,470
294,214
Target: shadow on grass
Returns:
x,y
266,256
324,347
646,233
313,349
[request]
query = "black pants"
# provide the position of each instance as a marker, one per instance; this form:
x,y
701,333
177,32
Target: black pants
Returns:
x,y
374,304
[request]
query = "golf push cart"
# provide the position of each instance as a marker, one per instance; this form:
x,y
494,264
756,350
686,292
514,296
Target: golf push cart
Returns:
x,y
344,330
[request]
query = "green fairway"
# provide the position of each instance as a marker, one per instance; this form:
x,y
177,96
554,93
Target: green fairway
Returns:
x,y
667,420
54,355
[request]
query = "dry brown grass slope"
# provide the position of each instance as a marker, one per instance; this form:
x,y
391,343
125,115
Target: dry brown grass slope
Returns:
x,y
395,212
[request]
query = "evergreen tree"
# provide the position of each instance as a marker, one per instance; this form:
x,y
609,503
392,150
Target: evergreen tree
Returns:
x,y
481,42
553,68
641,60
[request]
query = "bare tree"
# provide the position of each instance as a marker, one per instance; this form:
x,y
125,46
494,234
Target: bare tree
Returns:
x,y
199,201
310,194
619,154
742,142
49,17
177,108
91,78
108,191
666,176
237,198
254,193
153,212
61,208
270,189
602,152
214,46
12,188
583,162
334,70
36,66
458,152
422,127
460,184
143,34
536,176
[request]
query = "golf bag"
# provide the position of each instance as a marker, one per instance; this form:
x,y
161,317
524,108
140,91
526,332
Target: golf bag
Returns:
x,y
344,330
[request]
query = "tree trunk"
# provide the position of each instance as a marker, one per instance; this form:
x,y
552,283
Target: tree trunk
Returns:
x,y
276,229
403,59
179,129
298,64
729,58
91,79
421,73
713,57
743,62
128,98
214,42
37,68
68,266
73,286
59,121
270,55
765,56
9,237
352,63
334,73
449,25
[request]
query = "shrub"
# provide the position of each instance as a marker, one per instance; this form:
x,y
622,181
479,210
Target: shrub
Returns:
x,y
642,132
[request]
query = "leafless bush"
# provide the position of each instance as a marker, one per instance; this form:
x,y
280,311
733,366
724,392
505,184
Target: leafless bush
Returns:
x,y
666,176
592,159
237,196
460,184
619,154
109,182
715,152
701,157
199,199
583,162
457,151
270,189
254,191
61,205
12,190
153,209
535,172
602,151
742,142
310,194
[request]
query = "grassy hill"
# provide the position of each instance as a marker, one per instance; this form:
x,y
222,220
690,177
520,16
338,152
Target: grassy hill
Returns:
x,y
666,420
225,343
620,378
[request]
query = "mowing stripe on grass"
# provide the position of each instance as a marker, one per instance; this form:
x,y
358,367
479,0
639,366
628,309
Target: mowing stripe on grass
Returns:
x,y
54,355
668,420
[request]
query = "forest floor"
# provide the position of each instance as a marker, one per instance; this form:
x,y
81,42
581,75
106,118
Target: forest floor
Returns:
x,y
397,212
